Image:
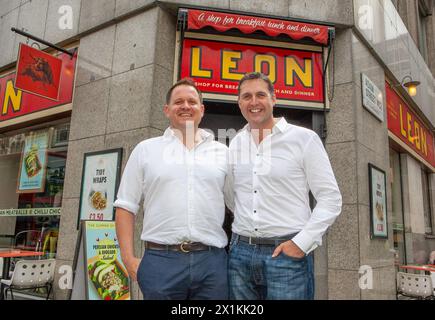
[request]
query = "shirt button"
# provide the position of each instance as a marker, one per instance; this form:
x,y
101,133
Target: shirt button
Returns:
x,y
256,229
255,191
255,211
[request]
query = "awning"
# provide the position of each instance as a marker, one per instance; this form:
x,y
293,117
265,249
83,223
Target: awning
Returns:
x,y
198,19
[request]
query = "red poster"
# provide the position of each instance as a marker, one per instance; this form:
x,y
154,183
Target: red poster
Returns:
x,y
38,72
220,21
407,126
218,66
16,104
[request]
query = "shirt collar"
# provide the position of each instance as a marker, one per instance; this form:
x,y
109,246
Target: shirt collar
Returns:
x,y
205,135
280,126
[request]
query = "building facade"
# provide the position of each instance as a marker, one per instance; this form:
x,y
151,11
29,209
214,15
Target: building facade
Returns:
x,y
379,138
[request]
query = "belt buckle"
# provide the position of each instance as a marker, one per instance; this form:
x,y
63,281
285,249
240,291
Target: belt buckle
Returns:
x,y
182,247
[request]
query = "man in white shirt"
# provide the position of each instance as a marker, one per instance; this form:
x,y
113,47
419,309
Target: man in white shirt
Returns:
x,y
274,166
181,177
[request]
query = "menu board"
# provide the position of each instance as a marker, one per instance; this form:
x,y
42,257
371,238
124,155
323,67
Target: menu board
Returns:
x,y
378,202
100,181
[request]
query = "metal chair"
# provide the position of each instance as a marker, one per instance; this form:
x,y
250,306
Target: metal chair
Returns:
x,y
28,240
415,285
31,274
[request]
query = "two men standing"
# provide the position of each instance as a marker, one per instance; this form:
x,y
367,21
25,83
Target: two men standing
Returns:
x,y
265,178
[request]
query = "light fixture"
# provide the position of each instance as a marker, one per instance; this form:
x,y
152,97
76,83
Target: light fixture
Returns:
x,y
411,85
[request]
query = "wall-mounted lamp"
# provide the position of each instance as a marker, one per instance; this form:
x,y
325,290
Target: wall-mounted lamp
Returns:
x,y
410,84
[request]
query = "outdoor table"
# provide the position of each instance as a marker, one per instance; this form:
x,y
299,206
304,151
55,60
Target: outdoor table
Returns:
x,y
425,268
7,254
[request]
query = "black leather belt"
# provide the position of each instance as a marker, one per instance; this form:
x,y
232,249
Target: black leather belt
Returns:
x,y
181,247
265,241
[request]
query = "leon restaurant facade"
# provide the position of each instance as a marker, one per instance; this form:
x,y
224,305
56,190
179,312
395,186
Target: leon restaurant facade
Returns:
x,y
315,67
412,165
34,127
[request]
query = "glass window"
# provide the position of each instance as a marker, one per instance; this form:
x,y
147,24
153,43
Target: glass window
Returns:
x,y
422,32
426,202
32,165
397,208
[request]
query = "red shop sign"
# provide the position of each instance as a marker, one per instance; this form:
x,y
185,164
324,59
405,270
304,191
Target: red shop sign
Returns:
x,y
38,72
218,66
17,105
407,126
220,21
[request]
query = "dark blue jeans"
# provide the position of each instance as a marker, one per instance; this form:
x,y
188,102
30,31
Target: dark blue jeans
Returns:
x,y
172,275
255,275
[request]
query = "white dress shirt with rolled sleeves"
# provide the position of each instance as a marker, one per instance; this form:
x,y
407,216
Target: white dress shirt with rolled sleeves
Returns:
x,y
272,183
182,190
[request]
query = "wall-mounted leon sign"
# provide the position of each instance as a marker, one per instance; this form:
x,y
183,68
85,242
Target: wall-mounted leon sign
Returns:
x,y
17,106
218,66
407,129
218,61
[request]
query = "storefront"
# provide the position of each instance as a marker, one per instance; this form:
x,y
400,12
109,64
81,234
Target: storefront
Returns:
x,y
34,134
412,165
322,57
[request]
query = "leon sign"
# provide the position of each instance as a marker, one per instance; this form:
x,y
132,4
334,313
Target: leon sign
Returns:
x,y
217,67
407,127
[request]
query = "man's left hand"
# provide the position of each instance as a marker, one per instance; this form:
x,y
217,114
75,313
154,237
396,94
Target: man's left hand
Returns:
x,y
290,249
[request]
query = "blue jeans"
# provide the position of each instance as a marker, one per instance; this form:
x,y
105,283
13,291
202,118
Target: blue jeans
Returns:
x,y
254,275
172,275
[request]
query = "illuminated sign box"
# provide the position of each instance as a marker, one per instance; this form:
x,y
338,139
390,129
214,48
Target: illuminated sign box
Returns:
x,y
17,106
407,129
217,67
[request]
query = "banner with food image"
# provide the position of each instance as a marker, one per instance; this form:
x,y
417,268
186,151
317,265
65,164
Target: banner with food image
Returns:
x,y
31,177
106,275
100,181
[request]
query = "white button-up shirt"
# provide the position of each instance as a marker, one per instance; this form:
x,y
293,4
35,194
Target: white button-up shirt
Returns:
x,y
183,190
272,183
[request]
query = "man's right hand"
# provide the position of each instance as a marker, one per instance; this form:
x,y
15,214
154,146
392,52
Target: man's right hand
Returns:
x,y
132,266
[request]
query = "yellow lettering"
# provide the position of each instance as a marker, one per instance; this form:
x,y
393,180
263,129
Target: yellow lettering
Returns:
x,y
228,63
417,135
305,75
14,97
423,141
196,70
408,123
270,60
402,130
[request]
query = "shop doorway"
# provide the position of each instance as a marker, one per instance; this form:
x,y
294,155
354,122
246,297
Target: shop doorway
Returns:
x,y
397,206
